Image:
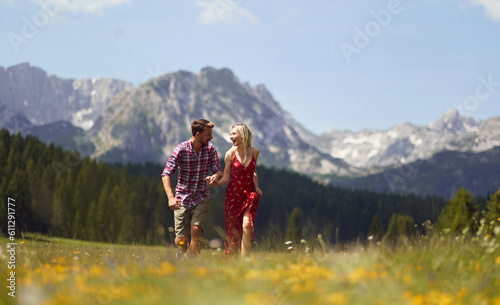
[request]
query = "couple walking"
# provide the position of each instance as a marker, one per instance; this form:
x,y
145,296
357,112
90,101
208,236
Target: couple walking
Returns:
x,y
191,202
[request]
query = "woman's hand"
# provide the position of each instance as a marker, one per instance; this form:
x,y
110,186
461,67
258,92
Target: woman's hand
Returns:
x,y
258,191
212,180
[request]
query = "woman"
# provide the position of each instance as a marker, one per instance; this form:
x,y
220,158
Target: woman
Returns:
x,y
242,194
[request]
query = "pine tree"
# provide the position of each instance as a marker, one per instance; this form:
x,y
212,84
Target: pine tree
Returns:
x,y
90,222
492,215
113,210
101,222
46,196
294,229
460,215
400,225
58,214
128,227
76,228
17,189
14,160
376,229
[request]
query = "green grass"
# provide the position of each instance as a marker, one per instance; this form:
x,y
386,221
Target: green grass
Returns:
x,y
437,270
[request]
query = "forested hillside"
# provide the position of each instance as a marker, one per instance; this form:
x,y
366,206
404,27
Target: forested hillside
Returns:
x,y
59,193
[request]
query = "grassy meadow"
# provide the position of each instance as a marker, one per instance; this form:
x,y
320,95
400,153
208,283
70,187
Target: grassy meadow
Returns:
x,y
436,270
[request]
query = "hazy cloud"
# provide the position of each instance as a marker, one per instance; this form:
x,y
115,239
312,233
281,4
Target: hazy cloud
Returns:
x,y
492,7
92,7
227,11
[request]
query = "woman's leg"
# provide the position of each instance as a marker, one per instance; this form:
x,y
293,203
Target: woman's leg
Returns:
x,y
246,241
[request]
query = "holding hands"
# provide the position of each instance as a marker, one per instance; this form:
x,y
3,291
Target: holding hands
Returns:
x,y
212,180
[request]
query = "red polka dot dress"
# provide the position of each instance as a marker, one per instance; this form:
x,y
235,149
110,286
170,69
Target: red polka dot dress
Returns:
x,y
240,195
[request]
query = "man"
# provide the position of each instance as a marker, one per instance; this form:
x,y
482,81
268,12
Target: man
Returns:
x,y
191,202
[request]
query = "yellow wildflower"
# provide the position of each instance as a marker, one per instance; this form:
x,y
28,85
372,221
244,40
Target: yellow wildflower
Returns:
x,y
258,298
418,300
357,275
276,275
373,275
477,266
166,268
95,270
462,293
384,274
252,275
407,279
304,286
438,298
497,300
336,299
201,271
407,295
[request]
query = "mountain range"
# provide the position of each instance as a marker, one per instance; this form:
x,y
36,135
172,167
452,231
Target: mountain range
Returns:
x,y
405,143
114,121
441,175
29,97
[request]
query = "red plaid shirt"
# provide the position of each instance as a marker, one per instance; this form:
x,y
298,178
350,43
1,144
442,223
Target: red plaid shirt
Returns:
x,y
193,169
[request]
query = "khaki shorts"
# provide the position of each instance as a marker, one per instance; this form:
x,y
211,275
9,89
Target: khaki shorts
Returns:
x,y
196,215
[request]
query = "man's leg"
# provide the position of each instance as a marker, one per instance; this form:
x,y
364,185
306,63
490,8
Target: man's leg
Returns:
x,y
199,216
195,245
182,220
181,243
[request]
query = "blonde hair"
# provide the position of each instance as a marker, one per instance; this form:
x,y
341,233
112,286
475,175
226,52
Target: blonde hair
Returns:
x,y
245,133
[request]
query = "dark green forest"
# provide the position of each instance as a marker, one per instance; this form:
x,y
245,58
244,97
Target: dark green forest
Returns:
x,y
57,192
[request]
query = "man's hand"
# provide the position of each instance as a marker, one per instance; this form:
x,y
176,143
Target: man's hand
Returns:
x,y
173,203
212,180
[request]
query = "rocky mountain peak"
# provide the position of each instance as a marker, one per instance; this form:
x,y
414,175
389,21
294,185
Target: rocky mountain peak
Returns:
x,y
406,142
25,71
222,78
453,121
147,124
44,99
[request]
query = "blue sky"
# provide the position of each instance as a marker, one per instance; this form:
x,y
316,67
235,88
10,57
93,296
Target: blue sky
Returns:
x,y
331,64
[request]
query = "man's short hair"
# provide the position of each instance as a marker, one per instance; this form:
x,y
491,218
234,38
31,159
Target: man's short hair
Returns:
x,y
200,125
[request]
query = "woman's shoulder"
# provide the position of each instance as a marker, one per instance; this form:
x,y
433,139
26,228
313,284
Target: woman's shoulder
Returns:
x,y
255,151
230,152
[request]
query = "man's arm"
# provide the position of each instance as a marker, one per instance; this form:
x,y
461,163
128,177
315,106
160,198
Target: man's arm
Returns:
x,y
212,180
173,203
215,166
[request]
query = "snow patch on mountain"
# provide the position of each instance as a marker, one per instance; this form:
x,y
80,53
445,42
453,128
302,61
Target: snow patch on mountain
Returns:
x,y
406,142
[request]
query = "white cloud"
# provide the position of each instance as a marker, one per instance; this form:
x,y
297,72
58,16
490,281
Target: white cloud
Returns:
x,y
92,7
6,1
492,7
226,11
